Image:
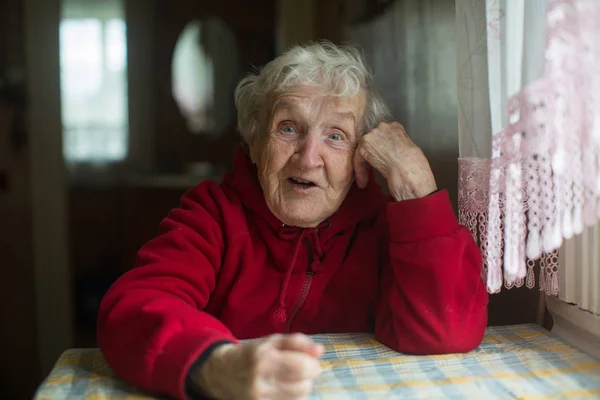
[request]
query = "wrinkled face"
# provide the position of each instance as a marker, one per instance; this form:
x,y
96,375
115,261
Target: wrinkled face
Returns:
x,y
304,158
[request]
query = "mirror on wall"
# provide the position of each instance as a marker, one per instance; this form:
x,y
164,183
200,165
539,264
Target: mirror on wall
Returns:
x,y
205,69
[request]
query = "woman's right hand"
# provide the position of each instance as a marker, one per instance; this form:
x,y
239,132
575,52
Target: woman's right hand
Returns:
x,y
276,367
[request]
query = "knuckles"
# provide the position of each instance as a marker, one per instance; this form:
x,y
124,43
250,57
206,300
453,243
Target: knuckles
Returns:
x,y
395,125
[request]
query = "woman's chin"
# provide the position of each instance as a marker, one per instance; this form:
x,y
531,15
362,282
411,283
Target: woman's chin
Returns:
x,y
306,209
301,215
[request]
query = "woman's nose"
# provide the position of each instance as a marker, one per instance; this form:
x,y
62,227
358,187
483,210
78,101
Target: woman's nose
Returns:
x,y
308,155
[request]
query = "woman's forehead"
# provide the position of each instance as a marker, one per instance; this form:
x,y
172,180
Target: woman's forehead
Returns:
x,y
313,101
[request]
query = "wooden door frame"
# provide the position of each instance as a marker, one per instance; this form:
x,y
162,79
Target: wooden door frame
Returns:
x,y
48,183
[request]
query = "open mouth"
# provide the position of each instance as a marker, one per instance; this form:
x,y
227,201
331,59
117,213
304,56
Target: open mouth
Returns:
x,y
301,182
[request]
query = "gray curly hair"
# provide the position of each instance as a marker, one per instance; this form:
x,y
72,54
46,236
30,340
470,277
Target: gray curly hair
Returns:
x,y
341,70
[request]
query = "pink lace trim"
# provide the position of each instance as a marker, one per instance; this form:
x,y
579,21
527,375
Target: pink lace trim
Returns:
x,y
544,174
473,211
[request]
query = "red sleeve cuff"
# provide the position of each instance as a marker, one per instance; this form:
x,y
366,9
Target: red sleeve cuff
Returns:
x,y
419,219
177,357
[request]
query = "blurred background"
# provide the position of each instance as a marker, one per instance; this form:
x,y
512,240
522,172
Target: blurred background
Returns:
x,y
111,109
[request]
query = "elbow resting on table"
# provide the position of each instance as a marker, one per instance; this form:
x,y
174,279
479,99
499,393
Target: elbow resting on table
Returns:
x,y
458,341
418,337
448,342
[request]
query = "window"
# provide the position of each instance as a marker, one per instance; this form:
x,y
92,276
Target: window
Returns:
x,y
93,70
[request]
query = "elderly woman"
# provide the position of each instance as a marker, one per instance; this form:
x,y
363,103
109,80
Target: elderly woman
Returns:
x,y
297,239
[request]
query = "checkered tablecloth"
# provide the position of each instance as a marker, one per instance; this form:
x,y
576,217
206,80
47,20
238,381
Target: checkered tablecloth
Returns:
x,y
513,362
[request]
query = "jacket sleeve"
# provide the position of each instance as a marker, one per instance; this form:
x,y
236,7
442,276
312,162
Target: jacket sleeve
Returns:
x,y
432,298
151,328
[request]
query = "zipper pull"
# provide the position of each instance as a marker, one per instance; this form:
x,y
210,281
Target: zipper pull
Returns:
x,y
315,267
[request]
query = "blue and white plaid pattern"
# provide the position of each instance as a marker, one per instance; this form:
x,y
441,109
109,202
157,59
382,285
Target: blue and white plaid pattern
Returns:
x,y
513,362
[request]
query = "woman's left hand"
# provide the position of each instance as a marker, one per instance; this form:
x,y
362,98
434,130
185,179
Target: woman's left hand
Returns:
x,y
402,163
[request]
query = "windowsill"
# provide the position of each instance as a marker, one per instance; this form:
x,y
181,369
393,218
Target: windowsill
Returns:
x,y
168,181
95,174
578,327
111,175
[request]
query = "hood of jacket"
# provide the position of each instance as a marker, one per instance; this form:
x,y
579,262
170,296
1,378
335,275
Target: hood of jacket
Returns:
x,y
286,243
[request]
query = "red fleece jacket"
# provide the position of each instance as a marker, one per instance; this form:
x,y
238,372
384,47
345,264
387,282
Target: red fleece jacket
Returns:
x,y
224,268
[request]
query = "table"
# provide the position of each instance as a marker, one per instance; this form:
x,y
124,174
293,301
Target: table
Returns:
x,y
519,361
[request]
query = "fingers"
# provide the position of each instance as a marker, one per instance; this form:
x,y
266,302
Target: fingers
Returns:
x,y
300,343
284,390
295,390
361,167
285,367
388,149
294,366
288,365
368,154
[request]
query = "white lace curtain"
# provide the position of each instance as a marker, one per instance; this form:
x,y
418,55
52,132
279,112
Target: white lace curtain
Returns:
x,y
529,127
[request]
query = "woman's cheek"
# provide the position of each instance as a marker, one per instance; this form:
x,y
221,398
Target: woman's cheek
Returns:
x,y
340,145
341,169
275,155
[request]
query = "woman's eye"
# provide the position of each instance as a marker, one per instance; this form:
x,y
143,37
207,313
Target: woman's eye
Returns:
x,y
335,136
287,128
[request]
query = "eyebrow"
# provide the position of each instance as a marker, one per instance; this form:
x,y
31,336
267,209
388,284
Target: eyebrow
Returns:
x,y
345,115
282,104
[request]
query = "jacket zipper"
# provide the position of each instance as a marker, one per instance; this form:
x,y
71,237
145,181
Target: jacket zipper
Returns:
x,y
303,294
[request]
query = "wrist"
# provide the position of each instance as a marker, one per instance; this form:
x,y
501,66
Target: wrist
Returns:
x,y
208,377
402,190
